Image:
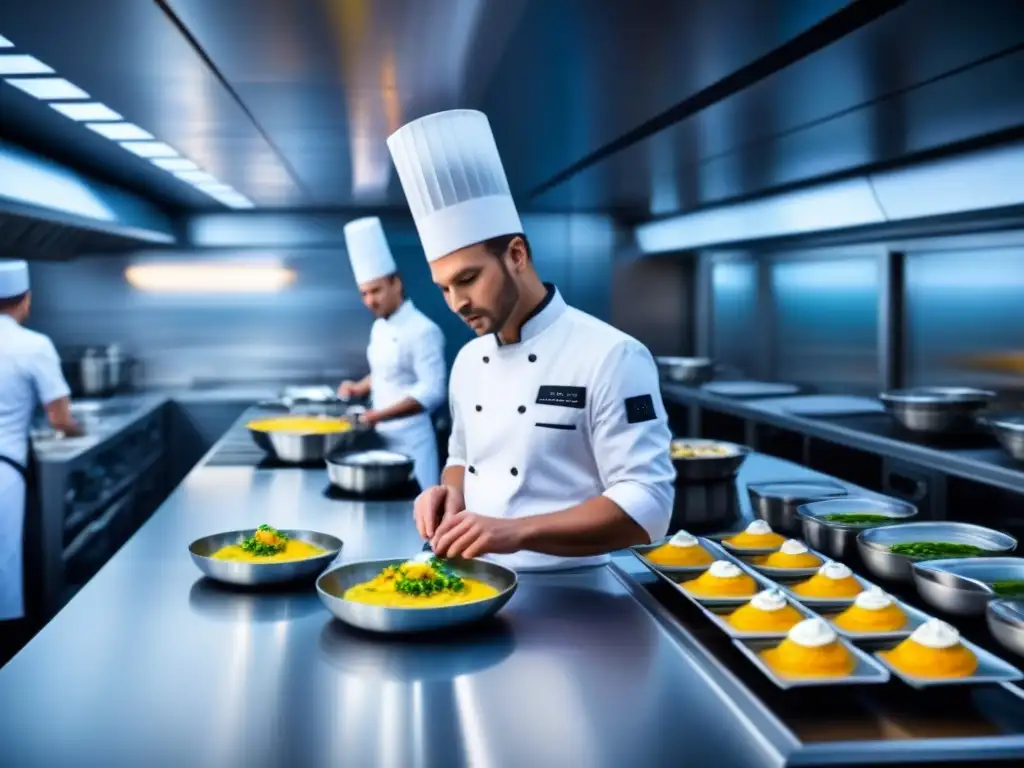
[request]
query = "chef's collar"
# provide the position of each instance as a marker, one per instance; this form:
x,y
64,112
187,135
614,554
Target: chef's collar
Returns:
x,y
401,314
541,318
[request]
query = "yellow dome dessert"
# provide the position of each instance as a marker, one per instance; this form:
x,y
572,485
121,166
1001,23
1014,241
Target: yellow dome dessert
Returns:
x,y
792,554
831,580
758,535
934,650
811,649
767,611
722,579
872,611
681,550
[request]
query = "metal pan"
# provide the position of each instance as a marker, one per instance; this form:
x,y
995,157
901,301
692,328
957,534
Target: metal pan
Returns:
x,y
1009,431
839,540
368,471
1005,619
252,574
718,613
299,447
867,670
698,469
991,669
719,538
331,587
936,410
786,585
915,618
776,503
641,550
784,573
689,371
962,585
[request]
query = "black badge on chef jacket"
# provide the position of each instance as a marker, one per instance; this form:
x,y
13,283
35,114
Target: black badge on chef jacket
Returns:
x,y
567,397
639,409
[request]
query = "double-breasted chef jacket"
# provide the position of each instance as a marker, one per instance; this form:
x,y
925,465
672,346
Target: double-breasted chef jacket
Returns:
x,y
406,357
30,374
571,411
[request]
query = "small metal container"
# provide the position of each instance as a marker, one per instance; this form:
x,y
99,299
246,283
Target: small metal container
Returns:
x,y
776,502
839,540
866,671
991,669
704,468
936,410
873,544
1009,431
1005,619
332,585
368,471
960,585
253,574
689,371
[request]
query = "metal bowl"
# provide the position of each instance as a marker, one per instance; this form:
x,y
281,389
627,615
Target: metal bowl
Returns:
x,y
1009,431
936,410
691,371
298,447
776,502
1005,619
839,539
251,574
368,471
873,544
960,585
375,618
713,467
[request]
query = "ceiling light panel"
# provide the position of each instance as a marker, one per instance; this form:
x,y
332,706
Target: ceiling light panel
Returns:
x,y
120,131
197,177
48,88
5,43
92,112
150,149
22,64
175,164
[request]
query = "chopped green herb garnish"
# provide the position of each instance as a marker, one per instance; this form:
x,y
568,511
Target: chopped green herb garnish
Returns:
x,y
266,541
857,518
441,580
1014,587
935,549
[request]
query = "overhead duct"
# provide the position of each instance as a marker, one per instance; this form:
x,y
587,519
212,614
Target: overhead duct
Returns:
x,y
980,181
48,211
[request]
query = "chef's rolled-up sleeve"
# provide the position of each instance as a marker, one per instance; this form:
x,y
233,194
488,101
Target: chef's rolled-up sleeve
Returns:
x,y
47,377
430,369
631,437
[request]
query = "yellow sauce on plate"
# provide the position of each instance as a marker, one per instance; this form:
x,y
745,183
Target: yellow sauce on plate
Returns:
x,y
385,589
293,550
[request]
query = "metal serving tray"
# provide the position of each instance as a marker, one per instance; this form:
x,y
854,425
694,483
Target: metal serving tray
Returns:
x,y
991,669
719,538
866,672
716,551
783,573
786,586
915,618
762,582
717,614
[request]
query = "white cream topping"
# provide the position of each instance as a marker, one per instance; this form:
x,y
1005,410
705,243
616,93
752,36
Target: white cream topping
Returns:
x,y
793,547
769,600
835,571
683,539
936,633
723,569
873,599
812,633
422,557
759,528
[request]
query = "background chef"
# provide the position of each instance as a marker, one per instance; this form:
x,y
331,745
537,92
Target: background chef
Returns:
x,y
30,373
408,373
559,451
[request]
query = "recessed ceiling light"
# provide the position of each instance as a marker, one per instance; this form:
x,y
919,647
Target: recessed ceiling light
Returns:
x,y
48,88
93,112
120,131
216,188
197,177
175,164
150,149
5,43
22,64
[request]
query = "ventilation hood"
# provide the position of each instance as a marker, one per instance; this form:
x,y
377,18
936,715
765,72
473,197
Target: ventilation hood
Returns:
x,y
981,181
48,211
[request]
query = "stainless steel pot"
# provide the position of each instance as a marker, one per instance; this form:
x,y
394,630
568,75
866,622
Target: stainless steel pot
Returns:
x,y
1009,431
776,503
104,372
936,410
369,471
305,447
1005,619
710,466
691,371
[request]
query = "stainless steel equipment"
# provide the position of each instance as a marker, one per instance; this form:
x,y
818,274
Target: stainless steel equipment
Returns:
x,y
104,372
839,539
717,460
1009,431
712,548
1005,619
959,585
776,502
252,574
368,471
866,670
873,544
991,669
301,447
691,371
331,587
936,410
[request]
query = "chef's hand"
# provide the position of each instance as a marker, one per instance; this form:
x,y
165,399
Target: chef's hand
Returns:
x,y
468,534
369,417
347,390
432,504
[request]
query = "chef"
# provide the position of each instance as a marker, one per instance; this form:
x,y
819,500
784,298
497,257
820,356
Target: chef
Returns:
x,y
559,452
30,373
408,373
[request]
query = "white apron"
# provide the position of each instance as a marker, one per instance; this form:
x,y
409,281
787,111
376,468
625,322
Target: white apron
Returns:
x,y
12,523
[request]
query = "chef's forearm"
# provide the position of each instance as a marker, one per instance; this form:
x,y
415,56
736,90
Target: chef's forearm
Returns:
x,y
595,527
454,476
408,406
364,385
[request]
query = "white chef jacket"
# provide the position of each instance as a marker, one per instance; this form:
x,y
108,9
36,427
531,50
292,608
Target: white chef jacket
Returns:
x,y
29,374
571,411
406,356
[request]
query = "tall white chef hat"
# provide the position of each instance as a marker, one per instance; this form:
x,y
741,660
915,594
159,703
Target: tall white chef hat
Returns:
x,y
368,250
453,178
13,278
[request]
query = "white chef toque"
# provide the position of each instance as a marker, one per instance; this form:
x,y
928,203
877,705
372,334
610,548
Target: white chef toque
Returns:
x,y
454,181
368,250
13,278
